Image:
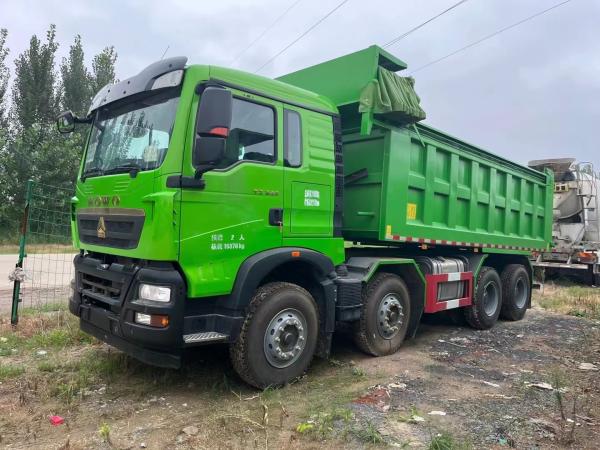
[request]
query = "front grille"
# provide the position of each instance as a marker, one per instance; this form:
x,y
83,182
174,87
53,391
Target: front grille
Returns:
x,y
119,228
101,292
105,288
103,280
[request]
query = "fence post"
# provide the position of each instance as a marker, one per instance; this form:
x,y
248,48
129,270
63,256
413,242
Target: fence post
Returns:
x,y
14,317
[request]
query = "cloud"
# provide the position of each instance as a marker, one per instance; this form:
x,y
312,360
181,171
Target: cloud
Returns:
x,y
529,93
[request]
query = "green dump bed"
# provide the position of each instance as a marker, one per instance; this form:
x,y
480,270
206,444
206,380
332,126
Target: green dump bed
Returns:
x,y
407,182
428,187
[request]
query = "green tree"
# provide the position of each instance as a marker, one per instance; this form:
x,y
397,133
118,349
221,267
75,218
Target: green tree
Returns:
x,y
32,115
34,88
103,68
75,80
4,77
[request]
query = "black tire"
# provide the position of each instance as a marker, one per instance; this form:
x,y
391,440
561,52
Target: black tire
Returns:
x,y
249,354
481,315
368,334
516,292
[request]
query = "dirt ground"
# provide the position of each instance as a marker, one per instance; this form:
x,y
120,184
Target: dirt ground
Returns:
x,y
529,384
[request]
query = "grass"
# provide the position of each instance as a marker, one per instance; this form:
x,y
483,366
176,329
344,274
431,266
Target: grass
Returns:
x,y
44,308
10,249
58,338
74,377
47,335
573,300
10,371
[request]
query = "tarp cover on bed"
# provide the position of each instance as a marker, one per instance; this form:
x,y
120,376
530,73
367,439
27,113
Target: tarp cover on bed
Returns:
x,y
393,96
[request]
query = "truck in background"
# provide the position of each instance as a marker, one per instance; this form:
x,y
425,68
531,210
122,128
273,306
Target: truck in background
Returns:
x,y
218,206
576,227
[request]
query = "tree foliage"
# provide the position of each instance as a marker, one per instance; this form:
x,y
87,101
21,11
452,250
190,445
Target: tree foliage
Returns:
x,y
75,80
30,146
4,77
103,67
33,94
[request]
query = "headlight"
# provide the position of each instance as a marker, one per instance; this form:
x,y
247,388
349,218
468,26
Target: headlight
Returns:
x,y
155,293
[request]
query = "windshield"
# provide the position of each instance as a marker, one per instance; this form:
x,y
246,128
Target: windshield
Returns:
x,y
134,136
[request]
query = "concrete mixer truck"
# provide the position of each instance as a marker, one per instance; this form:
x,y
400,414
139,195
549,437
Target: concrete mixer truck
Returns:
x,y
575,228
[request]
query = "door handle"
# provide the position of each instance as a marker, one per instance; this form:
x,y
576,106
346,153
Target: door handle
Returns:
x,y
276,217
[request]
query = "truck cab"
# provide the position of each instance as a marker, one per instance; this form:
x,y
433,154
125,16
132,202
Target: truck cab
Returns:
x,y
159,226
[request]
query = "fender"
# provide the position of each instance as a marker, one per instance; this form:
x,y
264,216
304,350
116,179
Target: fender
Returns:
x,y
255,268
404,267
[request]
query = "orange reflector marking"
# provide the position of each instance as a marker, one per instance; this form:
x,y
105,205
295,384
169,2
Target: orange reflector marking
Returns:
x,y
159,321
295,254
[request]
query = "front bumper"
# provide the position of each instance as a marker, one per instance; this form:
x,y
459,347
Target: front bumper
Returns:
x,y
105,299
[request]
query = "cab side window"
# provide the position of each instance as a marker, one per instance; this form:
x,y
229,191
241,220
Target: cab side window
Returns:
x,y
292,136
252,134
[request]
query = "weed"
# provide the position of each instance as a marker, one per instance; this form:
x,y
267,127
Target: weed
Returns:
x,y
369,434
8,342
445,441
321,424
49,366
359,373
10,371
66,391
412,416
269,393
104,432
336,362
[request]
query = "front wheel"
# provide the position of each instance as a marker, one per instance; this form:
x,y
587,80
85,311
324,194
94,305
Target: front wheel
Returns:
x,y
278,337
385,314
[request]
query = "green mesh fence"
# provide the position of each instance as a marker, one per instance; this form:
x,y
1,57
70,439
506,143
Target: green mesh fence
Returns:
x,y
44,265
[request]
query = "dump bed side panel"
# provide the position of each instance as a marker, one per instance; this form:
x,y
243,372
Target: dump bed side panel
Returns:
x,y
432,188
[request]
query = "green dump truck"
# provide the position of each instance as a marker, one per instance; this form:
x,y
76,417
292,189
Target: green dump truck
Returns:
x,y
218,206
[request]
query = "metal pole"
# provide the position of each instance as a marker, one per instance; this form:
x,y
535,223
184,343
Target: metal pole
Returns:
x,y
14,318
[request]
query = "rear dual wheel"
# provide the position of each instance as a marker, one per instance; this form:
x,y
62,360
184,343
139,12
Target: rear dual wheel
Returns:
x,y
487,300
507,296
516,292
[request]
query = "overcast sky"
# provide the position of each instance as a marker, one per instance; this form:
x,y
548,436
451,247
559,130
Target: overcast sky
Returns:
x,y
532,92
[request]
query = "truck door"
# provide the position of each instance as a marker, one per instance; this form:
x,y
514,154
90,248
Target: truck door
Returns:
x,y
238,212
308,173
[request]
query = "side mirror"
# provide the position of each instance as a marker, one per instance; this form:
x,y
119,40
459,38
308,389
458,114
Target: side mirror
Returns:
x,y
214,112
65,122
208,151
213,122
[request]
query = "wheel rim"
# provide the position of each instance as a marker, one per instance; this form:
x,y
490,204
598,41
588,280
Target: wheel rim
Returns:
x,y
390,316
285,338
520,293
490,298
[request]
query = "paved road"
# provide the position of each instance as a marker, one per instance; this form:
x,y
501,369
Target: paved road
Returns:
x,y
48,278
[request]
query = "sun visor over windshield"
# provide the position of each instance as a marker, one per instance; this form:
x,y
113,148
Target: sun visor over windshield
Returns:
x,y
141,82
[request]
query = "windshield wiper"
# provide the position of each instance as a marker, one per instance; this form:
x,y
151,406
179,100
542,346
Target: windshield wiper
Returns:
x,y
92,171
132,168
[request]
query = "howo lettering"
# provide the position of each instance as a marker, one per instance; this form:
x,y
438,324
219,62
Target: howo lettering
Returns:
x,y
218,206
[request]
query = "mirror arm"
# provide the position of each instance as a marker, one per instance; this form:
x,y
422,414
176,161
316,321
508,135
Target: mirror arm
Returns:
x,y
201,170
87,119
